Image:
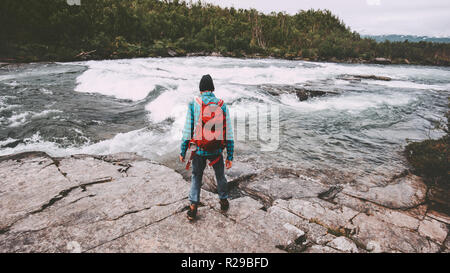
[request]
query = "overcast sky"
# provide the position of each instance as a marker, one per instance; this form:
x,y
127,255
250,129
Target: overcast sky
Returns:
x,y
426,17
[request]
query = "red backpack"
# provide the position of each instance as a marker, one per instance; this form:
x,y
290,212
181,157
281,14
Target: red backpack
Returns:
x,y
210,129
209,132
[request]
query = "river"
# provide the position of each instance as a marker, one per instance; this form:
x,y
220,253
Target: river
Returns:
x,y
139,105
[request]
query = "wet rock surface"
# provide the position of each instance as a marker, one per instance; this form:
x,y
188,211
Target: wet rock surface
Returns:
x,y
301,93
125,203
363,77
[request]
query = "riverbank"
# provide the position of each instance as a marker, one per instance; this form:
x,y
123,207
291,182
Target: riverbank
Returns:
x,y
92,55
125,203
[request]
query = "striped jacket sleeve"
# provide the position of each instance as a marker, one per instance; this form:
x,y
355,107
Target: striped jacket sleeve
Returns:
x,y
229,135
188,130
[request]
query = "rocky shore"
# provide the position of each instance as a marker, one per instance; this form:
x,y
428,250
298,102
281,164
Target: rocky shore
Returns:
x,y
125,203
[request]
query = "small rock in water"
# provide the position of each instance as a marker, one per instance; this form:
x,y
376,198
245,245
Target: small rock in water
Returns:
x,y
172,53
382,61
216,54
301,93
366,77
304,94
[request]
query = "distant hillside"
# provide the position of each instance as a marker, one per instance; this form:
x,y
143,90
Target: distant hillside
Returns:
x,y
410,38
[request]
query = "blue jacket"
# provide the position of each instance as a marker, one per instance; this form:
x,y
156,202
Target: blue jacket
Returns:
x,y
192,117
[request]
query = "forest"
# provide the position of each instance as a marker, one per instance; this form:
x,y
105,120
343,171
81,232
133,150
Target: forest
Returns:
x,y
53,30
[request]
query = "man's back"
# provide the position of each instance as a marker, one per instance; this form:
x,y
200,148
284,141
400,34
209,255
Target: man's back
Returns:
x,y
193,115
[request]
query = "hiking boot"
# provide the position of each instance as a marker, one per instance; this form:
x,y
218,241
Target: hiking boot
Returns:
x,y
224,205
192,212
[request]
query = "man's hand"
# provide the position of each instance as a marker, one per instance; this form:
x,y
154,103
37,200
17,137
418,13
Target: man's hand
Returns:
x,y
228,164
181,159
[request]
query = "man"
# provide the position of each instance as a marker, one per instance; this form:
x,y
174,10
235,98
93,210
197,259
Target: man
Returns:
x,y
201,156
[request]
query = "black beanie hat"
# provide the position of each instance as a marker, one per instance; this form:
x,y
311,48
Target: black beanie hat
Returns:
x,y
206,83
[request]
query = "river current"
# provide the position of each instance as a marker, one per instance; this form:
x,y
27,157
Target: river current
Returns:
x,y
139,105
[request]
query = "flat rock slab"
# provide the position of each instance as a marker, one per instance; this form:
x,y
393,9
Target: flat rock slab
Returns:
x,y
378,235
125,203
120,203
274,183
344,244
403,193
433,229
27,184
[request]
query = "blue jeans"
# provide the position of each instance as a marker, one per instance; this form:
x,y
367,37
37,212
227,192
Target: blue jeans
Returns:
x,y
198,166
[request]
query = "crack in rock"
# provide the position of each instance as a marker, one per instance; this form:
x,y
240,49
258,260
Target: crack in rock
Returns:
x,y
55,199
339,231
330,194
385,206
144,209
66,192
134,230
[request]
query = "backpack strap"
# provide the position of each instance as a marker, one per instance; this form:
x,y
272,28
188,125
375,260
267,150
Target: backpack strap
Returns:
x,y
213,162
219,103
199,101
189,161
